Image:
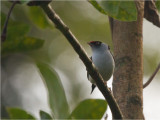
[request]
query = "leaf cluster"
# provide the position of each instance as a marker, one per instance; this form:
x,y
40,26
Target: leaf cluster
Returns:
x,y
87,109
120,10
19,41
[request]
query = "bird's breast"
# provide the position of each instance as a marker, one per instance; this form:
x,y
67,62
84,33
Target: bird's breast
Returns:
x,y
104,63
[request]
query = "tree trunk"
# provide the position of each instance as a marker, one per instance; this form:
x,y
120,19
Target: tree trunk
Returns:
x,y
128,75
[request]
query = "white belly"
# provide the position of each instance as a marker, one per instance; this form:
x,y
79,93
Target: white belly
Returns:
x,y
104,63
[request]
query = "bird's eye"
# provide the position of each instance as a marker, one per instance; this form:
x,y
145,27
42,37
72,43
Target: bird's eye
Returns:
x,y
98,43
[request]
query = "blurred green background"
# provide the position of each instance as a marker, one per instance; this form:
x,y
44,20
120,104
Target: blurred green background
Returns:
x,y
21,84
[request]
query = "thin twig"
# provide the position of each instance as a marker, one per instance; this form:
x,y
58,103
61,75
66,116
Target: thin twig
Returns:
x,y
117,114
4,31
152,76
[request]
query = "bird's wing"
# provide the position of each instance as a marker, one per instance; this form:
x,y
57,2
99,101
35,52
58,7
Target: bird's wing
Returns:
x,y
93,85
112,56
87,71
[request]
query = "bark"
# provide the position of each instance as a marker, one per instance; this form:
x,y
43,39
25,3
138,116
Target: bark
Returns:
x,y
128,75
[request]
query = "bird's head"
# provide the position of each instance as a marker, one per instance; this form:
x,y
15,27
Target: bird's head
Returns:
x,y
98,45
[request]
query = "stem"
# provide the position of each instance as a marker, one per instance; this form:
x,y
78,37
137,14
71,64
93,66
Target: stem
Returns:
x,y
86,60
152,76
4,31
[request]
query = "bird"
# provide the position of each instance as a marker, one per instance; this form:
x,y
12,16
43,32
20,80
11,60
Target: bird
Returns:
x,y
103,60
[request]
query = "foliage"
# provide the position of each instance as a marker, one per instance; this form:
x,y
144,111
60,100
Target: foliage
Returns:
x,y
16,113
97,6
58,103
120,10
158,5
14,29
21,45
38,17
17,39
24,1
57,98
89,109
44,115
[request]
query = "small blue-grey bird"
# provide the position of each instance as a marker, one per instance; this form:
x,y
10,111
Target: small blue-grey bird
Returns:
x,y
103,60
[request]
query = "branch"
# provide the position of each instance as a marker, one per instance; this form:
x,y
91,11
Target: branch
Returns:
x,y
87,62
151,12
4,31
152,76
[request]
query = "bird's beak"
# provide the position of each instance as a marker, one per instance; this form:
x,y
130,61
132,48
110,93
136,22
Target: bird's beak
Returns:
x,y
89,43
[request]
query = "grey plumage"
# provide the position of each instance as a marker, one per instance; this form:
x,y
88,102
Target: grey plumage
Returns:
x,y
102,59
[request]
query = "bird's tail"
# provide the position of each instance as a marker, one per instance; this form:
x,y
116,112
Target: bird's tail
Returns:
x,y
93,87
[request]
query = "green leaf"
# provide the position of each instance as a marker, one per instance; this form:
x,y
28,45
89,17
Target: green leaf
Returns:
x,y
16,113
120,10
38,17
3,18
45,115
89,109
16,30
21,45
97,6
24,1
57,99
158,5
16,40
